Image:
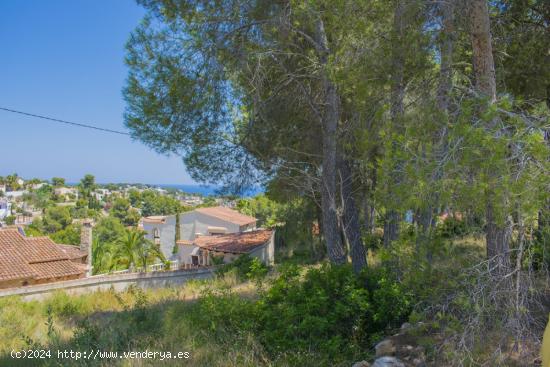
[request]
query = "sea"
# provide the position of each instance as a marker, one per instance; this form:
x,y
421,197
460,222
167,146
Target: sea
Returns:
x,y
206,190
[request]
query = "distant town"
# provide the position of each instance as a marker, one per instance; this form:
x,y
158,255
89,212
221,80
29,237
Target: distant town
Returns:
x,y
53,231
20,198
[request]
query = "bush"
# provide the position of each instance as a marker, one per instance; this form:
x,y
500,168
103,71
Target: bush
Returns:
x,y
246,268
331,310
328,311
452,227
10,220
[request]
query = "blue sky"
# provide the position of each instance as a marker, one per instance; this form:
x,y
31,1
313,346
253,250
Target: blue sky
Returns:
x,y
65,59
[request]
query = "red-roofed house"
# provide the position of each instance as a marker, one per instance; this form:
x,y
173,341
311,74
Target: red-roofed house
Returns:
x,y
199,222
34,260
257,243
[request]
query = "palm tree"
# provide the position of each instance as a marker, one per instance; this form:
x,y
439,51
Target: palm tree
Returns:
x,y
133,248
102,256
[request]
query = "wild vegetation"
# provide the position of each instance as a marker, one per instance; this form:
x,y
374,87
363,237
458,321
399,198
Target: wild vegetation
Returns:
x,y
404,150
378,126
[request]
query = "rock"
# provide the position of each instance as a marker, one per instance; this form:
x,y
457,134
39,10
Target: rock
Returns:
x,y
388,362
417,362
406,326
361,364
385,348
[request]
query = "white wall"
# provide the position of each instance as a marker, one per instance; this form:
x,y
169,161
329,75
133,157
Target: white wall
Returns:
x,y
167,233
266,253
191,223
194,222
184,253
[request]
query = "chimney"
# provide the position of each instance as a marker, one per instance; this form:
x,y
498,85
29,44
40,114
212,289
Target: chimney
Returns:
x,y
86,242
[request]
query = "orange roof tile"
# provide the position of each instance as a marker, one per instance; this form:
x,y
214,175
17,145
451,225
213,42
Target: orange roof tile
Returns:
x,y
240,243
32,257
227,214
73,252
155,219
55,269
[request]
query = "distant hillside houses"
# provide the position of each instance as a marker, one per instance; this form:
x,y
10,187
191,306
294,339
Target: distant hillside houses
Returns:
x,y
66,191
205,233
5,208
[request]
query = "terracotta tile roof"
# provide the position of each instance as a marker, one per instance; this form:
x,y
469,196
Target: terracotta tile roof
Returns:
x,y
41,249
32,257
227,214
184,242
239,243
55,269
155,219
73,252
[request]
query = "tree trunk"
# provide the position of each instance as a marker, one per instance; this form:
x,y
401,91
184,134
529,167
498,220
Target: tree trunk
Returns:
x,y
446,52
498,238
428,213
351,224
484,66
497,235
369,212
335,248
397,110
391,227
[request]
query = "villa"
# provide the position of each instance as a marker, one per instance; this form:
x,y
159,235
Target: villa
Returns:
x,y
206,232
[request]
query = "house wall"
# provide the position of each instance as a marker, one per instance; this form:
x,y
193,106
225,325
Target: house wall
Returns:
x,y
184,253
247,227
191,224
194,222
15,283
106,282
266,253
167,232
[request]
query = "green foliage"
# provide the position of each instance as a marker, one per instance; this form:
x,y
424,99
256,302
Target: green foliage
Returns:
x,y
108,229
153,203
56,218
10,220
70,235
58,181
452,227
331,309
244,266
262,208
122,210
133,249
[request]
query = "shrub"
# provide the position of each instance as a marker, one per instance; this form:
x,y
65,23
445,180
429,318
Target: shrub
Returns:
x,y
452,227
246,267
374,240
331,310
10,220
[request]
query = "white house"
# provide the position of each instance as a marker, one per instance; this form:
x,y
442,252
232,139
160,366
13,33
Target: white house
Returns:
x,y
64,191
202,250
195,223
15,194
5,208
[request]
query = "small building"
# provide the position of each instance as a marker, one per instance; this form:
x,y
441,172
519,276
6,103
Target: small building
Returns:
x,y
5,208
66,191
195,223
199,252
36,260
15,194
